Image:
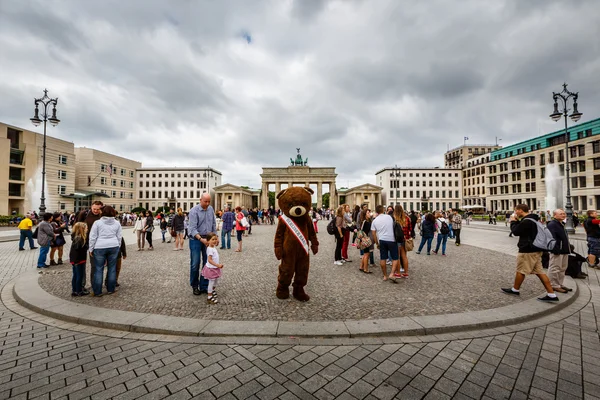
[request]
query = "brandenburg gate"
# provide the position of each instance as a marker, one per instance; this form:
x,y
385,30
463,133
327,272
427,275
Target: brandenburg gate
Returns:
x,y
298,173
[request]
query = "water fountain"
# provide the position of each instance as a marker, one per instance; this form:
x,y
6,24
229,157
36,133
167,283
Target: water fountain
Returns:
x,y
554,188
33,191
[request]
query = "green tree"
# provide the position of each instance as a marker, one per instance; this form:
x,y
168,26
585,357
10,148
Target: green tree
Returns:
x,y
325,199
271,199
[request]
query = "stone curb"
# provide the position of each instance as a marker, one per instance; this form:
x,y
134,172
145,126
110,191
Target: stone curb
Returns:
x,y
29,294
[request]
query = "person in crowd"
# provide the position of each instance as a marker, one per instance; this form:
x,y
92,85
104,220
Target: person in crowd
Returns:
x,y
104,245
529,257
315,219
367,252
449,216
178,225
359,222
442,229
339,236
382,228
427,233
138,230
202,221
403,220
413,222
212,269
355,214
44,238
122,256
227,218
456,226
575,220
592,231
90,217
163,227
575,262
56,246
25,229
186,224
78,258
348,226
149,228
170,224
559,258
239,228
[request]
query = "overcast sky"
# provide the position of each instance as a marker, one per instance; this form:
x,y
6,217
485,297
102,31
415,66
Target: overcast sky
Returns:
x,y
238,85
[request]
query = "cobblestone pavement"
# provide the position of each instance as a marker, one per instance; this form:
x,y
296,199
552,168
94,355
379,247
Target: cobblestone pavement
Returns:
x,y
157,282
44,358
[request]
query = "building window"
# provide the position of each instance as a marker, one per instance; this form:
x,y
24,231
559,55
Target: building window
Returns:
x,y
596,163
121,194
62,174
102,168
114,194
102,180
542,159
131,174
596,147
62,159
582,182
122,172
596,180
122,183
141,194
131,185
114,182
62,189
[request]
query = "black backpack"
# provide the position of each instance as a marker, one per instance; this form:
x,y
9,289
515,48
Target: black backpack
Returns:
x,y
398,233
444,230
331,228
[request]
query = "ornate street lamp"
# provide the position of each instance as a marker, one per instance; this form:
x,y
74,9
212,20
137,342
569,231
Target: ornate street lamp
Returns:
x,y
36,121
575,116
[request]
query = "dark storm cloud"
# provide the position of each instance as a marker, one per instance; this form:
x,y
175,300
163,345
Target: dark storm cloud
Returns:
x,y
355,84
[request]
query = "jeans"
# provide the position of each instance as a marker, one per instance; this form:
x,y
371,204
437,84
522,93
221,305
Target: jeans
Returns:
x,y
163,235
451,233
225,234
197,249
43,255
108,256
26,233
428,240
442,238
78,274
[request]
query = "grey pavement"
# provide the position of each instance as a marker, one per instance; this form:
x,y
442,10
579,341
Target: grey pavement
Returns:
x,y
41,357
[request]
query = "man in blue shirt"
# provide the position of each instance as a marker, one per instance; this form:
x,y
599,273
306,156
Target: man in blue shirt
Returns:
x,y
228,217
202,221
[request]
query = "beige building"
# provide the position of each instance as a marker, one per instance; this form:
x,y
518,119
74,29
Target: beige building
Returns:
x,y
421,188
458,157
21,153
233,196
474,180
533,171
362,194
94,180
174,187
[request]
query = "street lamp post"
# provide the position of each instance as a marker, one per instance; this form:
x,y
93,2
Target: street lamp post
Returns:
x,y
564,96
45,102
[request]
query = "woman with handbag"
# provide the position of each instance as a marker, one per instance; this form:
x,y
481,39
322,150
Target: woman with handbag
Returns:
x,y
365,240
149,228
239,228
138,230
403,220
59,240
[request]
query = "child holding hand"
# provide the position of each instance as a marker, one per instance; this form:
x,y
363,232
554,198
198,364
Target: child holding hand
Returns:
x,y
77,258
212,270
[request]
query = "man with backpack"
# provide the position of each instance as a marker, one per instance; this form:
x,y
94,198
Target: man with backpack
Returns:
x,y
559,257
529,259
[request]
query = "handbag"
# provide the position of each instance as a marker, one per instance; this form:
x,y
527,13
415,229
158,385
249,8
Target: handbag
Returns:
x,y
244,222
150,228
363,240
409,244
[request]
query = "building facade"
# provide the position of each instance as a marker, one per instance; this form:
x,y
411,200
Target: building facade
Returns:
x,y
174,187
533,171
458,157
474,175
421,188
234,196
96,181
21,160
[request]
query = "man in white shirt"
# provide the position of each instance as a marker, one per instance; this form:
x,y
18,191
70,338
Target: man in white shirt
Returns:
x,y
383,234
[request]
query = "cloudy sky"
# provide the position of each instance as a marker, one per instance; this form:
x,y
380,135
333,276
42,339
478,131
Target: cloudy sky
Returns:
x,y
238,85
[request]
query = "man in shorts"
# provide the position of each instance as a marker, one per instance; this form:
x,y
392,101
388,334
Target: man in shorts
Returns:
x,y
592,230
383,234
529,260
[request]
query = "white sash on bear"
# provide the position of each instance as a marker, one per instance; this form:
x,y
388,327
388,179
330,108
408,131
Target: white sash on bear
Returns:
x,y
296,231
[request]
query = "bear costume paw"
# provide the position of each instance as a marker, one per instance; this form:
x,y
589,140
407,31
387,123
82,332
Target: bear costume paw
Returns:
x,y
282,292
300,294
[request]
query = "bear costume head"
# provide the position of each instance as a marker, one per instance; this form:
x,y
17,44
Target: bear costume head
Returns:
x,y
295,230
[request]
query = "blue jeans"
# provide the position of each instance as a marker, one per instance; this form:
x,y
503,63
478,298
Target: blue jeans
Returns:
x,y
43,254
441,239
197,249
225,233
108,256
428,240
26,233
78,274
451,233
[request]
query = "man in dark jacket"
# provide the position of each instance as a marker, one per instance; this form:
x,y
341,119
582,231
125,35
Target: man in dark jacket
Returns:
x,y
559,258
529,260
592,230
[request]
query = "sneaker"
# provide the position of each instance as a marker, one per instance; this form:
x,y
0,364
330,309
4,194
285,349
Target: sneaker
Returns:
x,y
346,260
434,252
405,276
417,252
428,254
566,288
401,269
21,249
510,291
43,266
85,292
196,292
33,248
443,255
338,263
458,244
388,262
548,298
353,244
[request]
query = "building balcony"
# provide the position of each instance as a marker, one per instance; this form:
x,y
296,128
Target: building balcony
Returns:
x,y
17,156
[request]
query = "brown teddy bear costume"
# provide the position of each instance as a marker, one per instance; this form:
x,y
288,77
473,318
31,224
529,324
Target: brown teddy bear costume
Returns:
x,y
294,230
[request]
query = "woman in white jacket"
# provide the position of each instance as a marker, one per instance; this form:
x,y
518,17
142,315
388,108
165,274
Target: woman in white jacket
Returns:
x,y
138,229
104,245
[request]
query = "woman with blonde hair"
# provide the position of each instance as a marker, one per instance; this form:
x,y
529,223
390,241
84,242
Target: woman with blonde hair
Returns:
x,y
403,220
178,225
78,257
